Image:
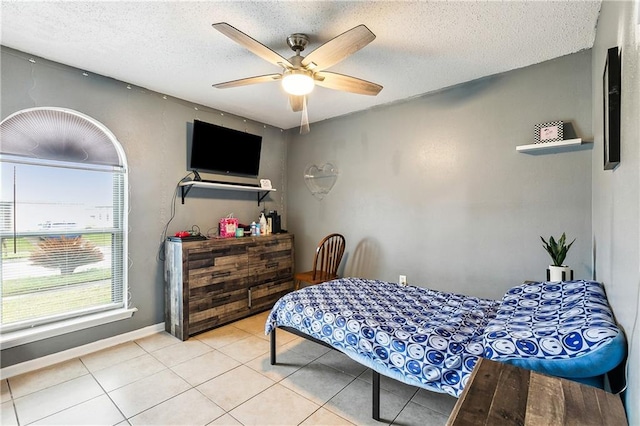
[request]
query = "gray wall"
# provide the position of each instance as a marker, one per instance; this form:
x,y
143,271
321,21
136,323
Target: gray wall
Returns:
x,y
433,187
153,133
616,194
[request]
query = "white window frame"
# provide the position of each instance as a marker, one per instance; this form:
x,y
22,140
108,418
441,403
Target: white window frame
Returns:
x,y
12,338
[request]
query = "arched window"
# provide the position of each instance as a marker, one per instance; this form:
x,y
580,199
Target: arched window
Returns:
x,y
63,220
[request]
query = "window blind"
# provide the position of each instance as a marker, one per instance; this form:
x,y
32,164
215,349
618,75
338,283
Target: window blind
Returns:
x,y
62,223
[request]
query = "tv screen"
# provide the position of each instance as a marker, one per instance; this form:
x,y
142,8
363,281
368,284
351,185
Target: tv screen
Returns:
x,y
218,149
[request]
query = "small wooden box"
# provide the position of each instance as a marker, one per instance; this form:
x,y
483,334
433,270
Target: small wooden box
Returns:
x,y
502,394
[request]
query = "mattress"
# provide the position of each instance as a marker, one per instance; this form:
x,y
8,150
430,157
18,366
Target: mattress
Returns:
x,y
421,337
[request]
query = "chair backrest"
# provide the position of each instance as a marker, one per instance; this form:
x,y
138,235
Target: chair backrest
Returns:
x,y
328,256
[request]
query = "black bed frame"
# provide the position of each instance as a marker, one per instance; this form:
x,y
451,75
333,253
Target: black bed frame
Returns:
x,y
376,376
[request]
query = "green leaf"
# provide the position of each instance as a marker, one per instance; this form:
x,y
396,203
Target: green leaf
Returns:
x,y
562,239
557,249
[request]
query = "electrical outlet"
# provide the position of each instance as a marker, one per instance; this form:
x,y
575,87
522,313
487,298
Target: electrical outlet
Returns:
x,y
402,280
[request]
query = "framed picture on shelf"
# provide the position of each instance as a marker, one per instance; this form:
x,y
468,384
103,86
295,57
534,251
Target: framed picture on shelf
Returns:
x,y
611,109
548,132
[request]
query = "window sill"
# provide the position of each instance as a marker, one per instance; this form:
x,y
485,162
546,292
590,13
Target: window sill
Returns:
x,y
21,337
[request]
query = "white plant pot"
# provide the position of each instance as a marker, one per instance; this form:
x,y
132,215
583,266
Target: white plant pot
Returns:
x,y
559,273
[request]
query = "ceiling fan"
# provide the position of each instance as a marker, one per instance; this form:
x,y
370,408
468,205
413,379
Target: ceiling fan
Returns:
x,y
301,73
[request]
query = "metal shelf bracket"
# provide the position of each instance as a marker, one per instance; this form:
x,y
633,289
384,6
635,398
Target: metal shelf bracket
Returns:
x,y
262,198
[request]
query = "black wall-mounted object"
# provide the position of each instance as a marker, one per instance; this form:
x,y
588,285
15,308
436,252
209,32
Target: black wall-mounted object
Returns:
x,y
217,149
611,90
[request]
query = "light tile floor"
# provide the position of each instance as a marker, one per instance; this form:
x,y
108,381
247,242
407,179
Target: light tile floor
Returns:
x,y
221,377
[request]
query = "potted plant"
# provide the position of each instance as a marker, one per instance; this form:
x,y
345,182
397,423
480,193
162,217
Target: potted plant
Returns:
x,y
558,252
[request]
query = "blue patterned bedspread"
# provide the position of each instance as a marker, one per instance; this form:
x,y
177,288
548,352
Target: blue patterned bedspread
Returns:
x,y
418,336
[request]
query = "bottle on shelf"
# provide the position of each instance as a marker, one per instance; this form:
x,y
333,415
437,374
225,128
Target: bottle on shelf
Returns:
x,y
263,224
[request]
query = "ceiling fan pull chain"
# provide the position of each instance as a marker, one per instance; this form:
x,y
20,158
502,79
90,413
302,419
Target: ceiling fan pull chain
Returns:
x,y
304,124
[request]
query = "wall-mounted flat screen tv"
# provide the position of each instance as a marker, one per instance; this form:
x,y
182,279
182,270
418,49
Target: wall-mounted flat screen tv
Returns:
x,y
217,149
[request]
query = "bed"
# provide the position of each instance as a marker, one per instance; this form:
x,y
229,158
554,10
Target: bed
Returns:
x,y
433,339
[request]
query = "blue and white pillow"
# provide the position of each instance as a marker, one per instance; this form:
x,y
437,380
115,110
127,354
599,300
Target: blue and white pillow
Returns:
x,y
564,329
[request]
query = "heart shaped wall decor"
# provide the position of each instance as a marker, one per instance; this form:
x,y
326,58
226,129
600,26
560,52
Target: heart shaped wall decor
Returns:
x,y
320,179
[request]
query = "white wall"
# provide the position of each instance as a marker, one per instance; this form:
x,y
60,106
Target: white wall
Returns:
x,y
616,194
433,187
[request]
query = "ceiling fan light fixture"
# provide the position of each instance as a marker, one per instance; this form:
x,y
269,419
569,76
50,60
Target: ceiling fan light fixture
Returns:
x,y
297,82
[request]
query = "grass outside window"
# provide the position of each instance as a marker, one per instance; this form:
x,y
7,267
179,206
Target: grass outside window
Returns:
x,y
30,291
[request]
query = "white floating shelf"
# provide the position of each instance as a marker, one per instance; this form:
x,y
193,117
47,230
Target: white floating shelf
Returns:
x,y
185,187
211,185
549,146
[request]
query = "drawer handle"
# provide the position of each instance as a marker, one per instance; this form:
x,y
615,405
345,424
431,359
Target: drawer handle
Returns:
x,y
249,291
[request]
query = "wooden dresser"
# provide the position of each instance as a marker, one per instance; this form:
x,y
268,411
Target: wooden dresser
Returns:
x,y
503,394
213,282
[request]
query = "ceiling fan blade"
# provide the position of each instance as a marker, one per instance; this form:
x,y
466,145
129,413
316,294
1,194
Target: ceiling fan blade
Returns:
x,y
304,122
246,81
338,48
251,44
332,80
296,103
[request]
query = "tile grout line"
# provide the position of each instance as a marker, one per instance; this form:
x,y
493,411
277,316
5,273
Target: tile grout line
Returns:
x,y
327,401
95,379
89,373
15,408
292,390
166,368
66,408
147,352
245,364
105,391
242,364
354,378
403,407
213,402
195,387
165,400
13,402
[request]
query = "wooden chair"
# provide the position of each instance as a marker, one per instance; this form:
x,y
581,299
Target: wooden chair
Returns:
x,y
325,262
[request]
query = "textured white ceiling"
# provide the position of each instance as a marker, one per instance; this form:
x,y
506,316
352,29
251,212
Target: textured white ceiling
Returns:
x,y
170,46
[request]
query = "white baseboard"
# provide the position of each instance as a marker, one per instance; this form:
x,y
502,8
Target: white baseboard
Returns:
x,y
48,360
